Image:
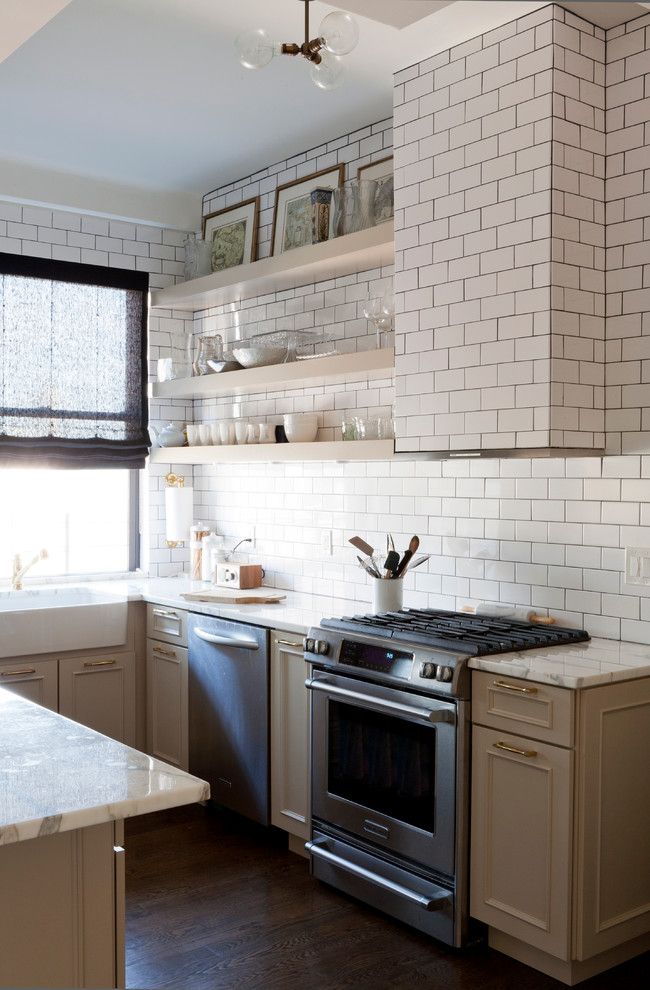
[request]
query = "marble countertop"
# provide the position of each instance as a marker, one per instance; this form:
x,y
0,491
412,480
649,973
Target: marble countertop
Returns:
x,y
295,614
57,775
599,661
580,665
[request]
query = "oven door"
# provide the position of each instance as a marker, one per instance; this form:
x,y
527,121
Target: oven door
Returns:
x,y
384,767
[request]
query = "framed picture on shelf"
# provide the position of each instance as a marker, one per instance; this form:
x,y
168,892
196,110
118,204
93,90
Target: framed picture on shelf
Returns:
x,y
292,216
382,173
232,234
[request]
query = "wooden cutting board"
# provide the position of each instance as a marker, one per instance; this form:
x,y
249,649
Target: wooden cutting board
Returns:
x,y
233,596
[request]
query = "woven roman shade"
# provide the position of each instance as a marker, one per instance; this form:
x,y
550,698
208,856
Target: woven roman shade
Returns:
x,y
73,365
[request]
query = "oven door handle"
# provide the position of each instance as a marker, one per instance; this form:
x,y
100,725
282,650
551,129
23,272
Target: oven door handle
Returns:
x,y
444,713
436,903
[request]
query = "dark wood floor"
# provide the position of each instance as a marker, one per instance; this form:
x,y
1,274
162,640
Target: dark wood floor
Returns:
x,y
214,903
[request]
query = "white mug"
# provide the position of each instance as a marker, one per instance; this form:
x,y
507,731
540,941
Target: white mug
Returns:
x,y
204,434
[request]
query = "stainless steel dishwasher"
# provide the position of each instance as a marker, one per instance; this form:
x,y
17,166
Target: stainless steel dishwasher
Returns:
x,y
229,712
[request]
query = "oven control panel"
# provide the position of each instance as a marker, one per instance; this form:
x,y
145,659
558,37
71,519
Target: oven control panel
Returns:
x,y
431,671
382,659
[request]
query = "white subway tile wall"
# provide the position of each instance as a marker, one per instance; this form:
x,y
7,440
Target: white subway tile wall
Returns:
x,y
628,236
547,534
499,174
70,236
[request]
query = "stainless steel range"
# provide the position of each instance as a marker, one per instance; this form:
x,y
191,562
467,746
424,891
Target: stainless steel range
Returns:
x,y
390,756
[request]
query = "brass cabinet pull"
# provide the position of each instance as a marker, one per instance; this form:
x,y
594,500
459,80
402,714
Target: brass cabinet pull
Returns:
x,y
99,663
165,653
165,613
15,673
515,687
528,753
287,642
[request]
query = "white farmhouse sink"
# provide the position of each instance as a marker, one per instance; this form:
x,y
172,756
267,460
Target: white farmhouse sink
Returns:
x,y
48,620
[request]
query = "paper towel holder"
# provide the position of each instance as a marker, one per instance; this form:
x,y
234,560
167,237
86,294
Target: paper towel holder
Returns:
x,y
176,481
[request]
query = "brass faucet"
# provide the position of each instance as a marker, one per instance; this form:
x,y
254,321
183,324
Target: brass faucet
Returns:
x,y
19,570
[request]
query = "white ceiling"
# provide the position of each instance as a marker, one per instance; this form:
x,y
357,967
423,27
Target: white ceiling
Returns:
x,y
150,93
398,13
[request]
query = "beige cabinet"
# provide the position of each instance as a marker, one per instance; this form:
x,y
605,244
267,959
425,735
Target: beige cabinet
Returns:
x,y
290,730
36,680
62,909
100,692
521,838
560,863
167,711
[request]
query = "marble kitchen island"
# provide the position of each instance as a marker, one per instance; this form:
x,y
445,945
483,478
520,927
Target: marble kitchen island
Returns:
x,y
65,791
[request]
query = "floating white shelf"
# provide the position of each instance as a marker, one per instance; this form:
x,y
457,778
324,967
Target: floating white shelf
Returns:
x,y
360,366
334,450
341,256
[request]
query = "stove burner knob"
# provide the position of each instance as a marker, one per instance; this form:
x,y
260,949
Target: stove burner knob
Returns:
x,y
444,673
321,647
427,670
309,644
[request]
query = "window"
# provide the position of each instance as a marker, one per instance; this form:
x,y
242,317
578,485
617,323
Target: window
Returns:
x,y
87,520
72,365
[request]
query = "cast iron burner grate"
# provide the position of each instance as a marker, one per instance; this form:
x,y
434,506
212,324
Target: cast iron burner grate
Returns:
x,y
471,635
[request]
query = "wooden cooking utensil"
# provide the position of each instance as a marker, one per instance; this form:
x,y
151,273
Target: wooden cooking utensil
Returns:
x,y
413,548
361,545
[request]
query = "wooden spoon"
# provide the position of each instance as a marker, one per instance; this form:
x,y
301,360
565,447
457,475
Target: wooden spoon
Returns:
x,y
413,548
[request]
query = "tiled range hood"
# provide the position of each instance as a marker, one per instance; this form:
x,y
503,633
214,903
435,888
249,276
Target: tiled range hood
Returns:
x,y
501,225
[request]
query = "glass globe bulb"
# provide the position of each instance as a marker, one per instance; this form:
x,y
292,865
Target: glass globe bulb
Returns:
x,y
329,74
340,32
255,49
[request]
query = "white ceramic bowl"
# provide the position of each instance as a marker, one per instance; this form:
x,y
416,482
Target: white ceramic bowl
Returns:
x,y
255,356
301,427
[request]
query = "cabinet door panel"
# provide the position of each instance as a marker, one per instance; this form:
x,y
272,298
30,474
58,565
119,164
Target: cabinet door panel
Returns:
x,y
613,890
167,715
521,838
36,680
289,736
100,692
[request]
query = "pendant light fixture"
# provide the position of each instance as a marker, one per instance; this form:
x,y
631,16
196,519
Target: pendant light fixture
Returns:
x,y
338,35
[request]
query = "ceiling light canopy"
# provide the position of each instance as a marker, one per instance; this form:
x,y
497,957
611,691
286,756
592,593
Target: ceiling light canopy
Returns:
x,y
338,35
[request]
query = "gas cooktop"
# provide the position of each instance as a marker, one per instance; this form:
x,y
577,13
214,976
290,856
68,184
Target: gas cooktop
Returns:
x,y
460,632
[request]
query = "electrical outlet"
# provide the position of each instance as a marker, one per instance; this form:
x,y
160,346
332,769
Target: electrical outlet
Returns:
x,y
637,565
326,542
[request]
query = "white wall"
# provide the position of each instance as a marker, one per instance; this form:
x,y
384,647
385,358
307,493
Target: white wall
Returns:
x,y
544,533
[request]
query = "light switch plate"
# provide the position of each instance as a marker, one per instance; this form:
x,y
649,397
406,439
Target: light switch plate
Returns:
x,y
637,565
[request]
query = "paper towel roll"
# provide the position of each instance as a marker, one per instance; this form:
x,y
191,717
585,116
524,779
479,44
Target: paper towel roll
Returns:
x,y
178,513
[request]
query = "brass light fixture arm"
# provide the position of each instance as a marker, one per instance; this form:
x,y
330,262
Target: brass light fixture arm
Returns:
x,y
310,49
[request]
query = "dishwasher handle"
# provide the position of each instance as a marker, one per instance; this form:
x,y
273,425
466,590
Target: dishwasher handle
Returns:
x,y
223,640
438,902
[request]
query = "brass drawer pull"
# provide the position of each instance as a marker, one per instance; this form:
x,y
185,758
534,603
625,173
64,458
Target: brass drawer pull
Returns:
x,y
15,673
165,613
99,663
165,653
515,687
528,753
287,642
